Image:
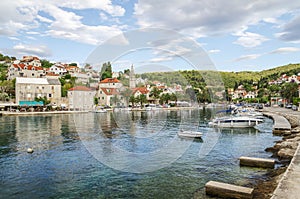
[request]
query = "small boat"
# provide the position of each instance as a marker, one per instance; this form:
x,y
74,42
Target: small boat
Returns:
x,y
190,134
235,122
100,111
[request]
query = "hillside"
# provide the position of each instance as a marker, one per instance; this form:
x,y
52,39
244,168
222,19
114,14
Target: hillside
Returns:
x,y
230,79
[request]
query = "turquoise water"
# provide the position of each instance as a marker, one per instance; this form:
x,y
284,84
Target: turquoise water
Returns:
x,y
75,155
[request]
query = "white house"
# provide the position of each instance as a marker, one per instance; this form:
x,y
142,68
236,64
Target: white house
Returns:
x,y
110,83
58,69
109,92
81,77
81,98
23,70
250,94
31,60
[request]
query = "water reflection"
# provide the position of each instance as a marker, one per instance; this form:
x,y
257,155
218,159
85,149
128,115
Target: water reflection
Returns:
x,y
63,166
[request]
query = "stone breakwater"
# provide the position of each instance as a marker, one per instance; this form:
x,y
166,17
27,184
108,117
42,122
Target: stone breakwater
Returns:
x,y
283,150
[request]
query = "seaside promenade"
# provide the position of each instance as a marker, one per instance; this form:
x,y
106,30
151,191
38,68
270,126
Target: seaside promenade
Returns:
x,y
289,184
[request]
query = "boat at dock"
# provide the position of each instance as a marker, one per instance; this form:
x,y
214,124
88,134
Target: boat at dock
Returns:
x,y
100,110
190,134
235,122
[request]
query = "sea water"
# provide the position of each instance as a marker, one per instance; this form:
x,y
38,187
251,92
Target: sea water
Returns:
x,y
124,154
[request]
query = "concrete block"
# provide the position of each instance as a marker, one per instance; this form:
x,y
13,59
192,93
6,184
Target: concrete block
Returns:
x,y
225,190
257,162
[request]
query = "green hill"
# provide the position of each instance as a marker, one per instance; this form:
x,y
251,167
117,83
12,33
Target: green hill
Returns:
x,y
199,79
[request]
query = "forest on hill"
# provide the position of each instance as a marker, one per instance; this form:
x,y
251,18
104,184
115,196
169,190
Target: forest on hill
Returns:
x,y
199,79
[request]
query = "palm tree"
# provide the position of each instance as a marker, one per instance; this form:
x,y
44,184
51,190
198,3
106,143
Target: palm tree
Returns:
x,y
132,100
142,99
155,92
164,98
173,97
126,93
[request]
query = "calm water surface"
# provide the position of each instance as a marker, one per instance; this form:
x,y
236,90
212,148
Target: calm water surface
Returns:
x,y
63,165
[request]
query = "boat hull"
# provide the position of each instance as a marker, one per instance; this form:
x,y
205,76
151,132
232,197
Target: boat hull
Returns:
x,y
235,122
190,134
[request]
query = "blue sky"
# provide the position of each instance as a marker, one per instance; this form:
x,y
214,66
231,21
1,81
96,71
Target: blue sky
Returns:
x,y
237,35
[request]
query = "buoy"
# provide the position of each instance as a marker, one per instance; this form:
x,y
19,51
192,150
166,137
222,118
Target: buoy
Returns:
x,y
29,150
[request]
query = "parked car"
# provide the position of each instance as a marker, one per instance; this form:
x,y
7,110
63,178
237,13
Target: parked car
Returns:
x,y
259,106
295,108
289,106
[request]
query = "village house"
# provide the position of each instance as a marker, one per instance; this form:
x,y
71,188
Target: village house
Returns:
x,y
81,98
27,89
81,78
58,69
239,93
72,69
109,92
31,61
141,91
23,70
250,94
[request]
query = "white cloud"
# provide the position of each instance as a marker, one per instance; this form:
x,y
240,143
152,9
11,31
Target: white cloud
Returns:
x,y
105,5
14,38
247,57
18,16
32,33
214,51
201,17
285,50
249,39
40,51
44,19
291,31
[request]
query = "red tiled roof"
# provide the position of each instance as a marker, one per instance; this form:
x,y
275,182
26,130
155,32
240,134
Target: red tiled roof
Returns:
x,y
22,66
70,67
110,91
80,88
51,74
142,90
110,80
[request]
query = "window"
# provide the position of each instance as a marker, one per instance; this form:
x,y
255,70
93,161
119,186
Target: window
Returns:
x,y
50,95
100,92
32,74
103,98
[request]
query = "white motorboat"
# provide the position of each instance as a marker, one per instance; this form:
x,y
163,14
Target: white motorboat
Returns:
x,y
190,134
100,111
235,122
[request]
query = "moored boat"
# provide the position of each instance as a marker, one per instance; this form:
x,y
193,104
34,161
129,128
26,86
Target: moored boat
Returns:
x,y
190,134
235,122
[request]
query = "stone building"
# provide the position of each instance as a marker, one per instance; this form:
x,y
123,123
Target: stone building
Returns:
x,y
27,89
81,98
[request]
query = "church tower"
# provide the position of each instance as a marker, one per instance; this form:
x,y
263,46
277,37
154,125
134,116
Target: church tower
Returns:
x,y
132,80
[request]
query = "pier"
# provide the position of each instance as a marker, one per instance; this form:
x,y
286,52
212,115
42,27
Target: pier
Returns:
x,y
281,124
289,184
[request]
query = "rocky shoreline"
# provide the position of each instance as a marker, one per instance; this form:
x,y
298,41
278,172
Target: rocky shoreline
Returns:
x,y
283,150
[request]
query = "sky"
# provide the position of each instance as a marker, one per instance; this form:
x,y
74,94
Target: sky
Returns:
x,y
235,35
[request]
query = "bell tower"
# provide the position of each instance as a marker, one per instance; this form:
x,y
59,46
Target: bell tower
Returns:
x,y
132,80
